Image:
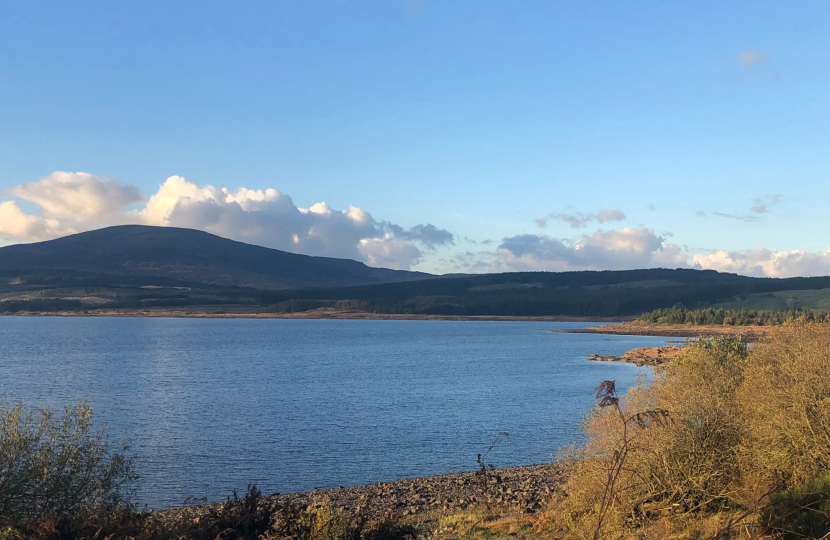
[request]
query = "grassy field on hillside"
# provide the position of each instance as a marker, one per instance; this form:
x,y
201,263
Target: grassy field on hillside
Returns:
x,y
779,300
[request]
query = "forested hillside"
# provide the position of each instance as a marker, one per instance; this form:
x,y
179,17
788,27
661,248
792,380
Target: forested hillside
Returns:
x,y
608,293
134,267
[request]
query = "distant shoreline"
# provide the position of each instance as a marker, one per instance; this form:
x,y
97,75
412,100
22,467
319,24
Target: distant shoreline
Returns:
x,y
323,313
619,325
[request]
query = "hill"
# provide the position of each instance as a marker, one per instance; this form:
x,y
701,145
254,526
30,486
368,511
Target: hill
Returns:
x,y
157,268
579,294
165,255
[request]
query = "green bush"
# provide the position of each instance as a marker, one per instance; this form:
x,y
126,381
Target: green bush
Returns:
x,y
56,467
730,317
802,512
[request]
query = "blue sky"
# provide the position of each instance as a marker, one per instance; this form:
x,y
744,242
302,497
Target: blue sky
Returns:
x,y
478,118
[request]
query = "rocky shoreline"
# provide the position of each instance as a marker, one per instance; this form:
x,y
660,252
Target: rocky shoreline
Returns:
x,y
524,489
643,356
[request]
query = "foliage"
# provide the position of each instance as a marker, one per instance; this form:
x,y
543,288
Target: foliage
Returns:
x,y
38,305
250,517
54,467
298,306
724,443
800,512
576,294
730,317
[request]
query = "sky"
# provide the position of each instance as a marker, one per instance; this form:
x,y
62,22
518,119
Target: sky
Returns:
x,y
442,136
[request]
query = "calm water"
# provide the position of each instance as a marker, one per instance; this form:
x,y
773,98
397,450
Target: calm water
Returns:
x,y
210,405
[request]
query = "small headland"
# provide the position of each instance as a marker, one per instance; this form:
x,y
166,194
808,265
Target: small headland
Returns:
x,y
643,356
749,334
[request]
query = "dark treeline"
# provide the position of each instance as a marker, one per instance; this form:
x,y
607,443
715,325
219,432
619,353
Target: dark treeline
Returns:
x,y
38,305
730,317
579,294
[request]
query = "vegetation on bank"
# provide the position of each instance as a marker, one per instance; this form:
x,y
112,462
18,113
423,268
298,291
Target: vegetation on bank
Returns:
x,y
54,468
519,294
60,479
730,317
40,305
724,443
782,300
577,294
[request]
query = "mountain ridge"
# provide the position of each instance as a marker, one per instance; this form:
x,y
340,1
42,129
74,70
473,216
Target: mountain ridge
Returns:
x,y
190,255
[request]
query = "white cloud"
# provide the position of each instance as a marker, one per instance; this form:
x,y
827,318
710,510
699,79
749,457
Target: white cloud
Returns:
x,y
74,202
610,215
17,225
619,249
270,218
263,217
767,262
429,235
386,252
578,220
176,188
78,197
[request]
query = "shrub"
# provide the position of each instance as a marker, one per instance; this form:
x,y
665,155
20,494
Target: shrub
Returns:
x,y
55,467
723,439
59,478
786,403
731,317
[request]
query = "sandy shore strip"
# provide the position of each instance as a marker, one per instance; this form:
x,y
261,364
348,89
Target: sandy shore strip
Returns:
x,y
747,333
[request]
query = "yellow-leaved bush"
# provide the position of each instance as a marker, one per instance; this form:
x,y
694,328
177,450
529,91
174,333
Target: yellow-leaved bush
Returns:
x,y
727,441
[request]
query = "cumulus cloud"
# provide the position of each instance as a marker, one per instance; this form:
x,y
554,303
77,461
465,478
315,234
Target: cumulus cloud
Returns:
x,y
610,215
612,250
578,220
429,235
263,217
270,218
78,197
72,202
17,225
767,262
386,252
